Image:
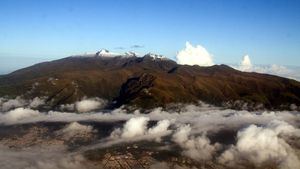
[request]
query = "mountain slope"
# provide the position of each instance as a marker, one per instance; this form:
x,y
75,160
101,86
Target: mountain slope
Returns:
x,y
147,82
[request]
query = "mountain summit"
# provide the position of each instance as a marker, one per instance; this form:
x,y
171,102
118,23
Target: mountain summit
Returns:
x,y
148,81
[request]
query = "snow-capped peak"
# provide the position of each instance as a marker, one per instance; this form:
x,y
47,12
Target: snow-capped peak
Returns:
x,y
103,52
156,56
131,54
106,53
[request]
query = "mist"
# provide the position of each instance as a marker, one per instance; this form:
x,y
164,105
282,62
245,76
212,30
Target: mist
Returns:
x,y
257,138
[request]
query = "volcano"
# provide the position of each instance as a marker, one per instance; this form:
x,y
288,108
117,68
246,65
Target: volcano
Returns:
x,y
148,81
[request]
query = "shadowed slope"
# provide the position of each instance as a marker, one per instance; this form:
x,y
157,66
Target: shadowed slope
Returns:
x,y
148,82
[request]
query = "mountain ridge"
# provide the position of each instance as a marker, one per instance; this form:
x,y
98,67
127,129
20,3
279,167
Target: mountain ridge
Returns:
x,y
126,80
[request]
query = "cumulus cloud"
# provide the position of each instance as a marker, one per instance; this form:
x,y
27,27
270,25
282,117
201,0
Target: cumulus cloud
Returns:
x,y
12,103
194,55
135,127
75,129
17,114
161,126
9,104
87,105
182,134
138,126
246,64
36,102
198,148
279,70
260,145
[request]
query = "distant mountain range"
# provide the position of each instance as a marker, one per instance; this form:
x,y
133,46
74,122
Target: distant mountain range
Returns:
x,y
147,82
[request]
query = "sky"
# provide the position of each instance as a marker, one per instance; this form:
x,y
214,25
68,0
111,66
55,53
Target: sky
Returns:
x,y
32,31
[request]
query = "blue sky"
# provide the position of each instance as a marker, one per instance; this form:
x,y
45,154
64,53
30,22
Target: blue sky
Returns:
x,y
32,30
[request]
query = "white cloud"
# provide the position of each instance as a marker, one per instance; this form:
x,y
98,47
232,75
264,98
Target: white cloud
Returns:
x,y
18,114
37,158
260,145
87,105
13,103
197,55
272,69
135,127
67,107
246,64
36,102
198,148
75,129
195,124
182,134
205,118
9,104
161,126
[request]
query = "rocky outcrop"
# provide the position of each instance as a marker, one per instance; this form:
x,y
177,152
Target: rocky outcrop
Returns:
x,y
133,87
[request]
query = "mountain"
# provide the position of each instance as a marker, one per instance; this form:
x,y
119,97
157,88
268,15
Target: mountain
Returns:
x,y
147,82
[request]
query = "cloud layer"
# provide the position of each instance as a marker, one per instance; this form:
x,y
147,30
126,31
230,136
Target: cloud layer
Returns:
x,y
259,138
247,66
35,158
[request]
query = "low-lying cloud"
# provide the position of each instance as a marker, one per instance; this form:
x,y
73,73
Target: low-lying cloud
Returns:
x,y
198,148
259,138
37,158
132,128
8,104
263,145
75,129
36,102
12,103
84,105
137,128
18,114
87,105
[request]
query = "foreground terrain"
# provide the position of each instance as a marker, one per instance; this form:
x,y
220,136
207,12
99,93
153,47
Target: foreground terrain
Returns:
x,y
182,136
